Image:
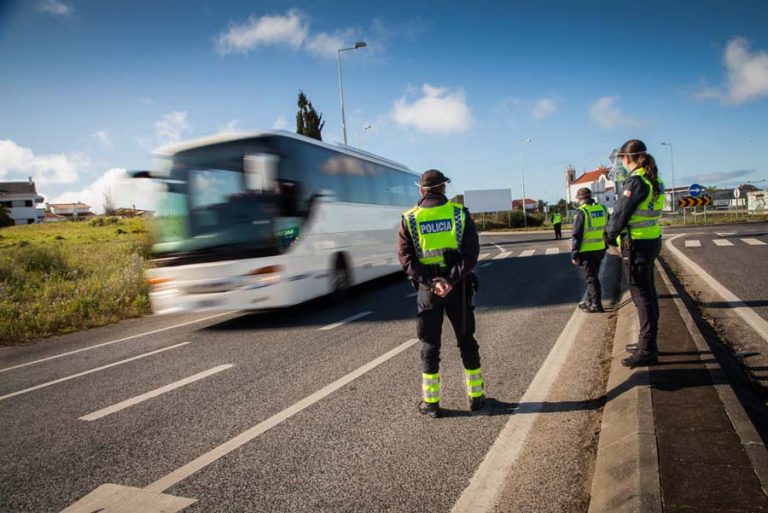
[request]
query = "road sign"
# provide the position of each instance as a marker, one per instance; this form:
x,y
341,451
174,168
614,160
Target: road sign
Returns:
x,y
736,193
695,190
687,201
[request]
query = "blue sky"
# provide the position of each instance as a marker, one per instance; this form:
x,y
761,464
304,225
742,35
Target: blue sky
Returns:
x,y
89,87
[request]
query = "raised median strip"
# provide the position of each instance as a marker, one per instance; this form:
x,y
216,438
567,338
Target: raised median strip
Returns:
x,y
626,477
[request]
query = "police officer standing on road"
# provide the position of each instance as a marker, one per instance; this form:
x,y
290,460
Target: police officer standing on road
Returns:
x,y
636,218
556,220
438,247
588,246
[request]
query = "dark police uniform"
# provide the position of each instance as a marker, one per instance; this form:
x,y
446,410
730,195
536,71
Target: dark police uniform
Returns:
x,y
435,216
636,217
588,249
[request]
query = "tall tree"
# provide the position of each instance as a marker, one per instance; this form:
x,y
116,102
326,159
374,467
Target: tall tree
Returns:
x,y
5,217
308,121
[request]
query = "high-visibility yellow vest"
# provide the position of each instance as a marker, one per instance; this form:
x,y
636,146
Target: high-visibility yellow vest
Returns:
x,y
435,230
595,217
645,222
556,218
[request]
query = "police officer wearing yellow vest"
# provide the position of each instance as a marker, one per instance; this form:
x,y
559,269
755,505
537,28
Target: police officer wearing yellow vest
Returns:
x,y
636,219
438,247
588,246
557,224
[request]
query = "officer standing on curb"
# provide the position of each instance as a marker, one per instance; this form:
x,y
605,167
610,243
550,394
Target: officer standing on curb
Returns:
x,y
588,246
438,247
637,219
556,220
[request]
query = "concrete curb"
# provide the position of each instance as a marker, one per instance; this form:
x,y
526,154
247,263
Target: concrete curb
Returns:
x,y
626,477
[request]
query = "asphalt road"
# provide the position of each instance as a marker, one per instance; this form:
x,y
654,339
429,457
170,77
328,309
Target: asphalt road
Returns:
x,y
735,255
359,447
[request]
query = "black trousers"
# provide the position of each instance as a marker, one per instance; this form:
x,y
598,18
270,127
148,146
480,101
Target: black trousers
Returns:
x,y
638,261
558,231
457,305
590,264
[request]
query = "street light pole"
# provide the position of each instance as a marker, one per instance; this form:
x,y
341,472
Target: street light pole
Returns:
x,y
672,167
359,44
522,179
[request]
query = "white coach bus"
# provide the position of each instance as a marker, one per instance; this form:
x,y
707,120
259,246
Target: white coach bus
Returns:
x,y
271,219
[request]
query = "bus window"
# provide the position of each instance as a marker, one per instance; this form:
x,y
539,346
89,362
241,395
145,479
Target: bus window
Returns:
x,y
260,172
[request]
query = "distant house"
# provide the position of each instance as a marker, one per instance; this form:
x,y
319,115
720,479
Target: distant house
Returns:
x,y
529,204
598,181
21,199
132,212
73,211
50,217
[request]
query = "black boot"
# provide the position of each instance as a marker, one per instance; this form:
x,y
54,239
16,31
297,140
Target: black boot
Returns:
x,y
584,306
596,307
476,403
429,409
631,348
639,359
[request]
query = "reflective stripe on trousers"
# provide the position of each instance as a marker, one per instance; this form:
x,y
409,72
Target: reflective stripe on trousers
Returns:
x,y
430,386
475,384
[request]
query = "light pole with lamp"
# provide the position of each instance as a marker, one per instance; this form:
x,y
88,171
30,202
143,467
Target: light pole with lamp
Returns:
x,y
672,167
366,128
359,44
522,179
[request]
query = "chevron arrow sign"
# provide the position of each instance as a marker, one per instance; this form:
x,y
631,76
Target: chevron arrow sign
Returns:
x,y
701,201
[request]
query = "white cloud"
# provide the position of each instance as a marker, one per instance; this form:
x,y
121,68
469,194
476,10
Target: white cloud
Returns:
x,y
123,191
55,7
608,115
103,137
747,74
438,111
543,108
172,127
327,45
290,29
280,123
18,162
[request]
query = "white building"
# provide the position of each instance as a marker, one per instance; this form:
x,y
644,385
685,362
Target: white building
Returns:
x,y
21,199
70,210
598,181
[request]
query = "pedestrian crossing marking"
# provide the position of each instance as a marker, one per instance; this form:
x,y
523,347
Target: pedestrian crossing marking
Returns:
x,y
754,242
503,254
552,251
483,256
692,244
725,234
722,242
527,252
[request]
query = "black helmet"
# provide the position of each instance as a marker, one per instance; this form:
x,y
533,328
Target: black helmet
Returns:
x,y
432,178
583,193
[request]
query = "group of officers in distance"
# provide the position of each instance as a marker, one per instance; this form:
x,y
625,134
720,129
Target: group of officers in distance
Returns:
x,y
438,247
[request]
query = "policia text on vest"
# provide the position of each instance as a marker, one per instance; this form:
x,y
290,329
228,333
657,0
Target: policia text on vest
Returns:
x,y
438,247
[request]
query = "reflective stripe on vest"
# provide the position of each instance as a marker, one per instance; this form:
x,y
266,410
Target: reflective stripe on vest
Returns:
x,y
475,383
430,386
435,230
594,226
645,222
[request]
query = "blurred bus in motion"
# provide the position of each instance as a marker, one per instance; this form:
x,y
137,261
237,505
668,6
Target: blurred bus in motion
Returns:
x,y
271,219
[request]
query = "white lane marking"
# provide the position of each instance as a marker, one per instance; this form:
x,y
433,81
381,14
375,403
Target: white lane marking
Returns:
x,y
527,253
503,254
722,242
80,374
211,456
412,294
153,393
499,247
482,266
754,242
693,244
725,234
489,478
552,251
115,341
738,306
344,321
483,256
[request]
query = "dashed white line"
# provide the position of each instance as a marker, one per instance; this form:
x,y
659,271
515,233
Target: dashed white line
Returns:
x,y
345,321
754,242
206,459
693,244
483,256
722,242
97,369
527,253
153,393
552,251
503,254
115,341
725,234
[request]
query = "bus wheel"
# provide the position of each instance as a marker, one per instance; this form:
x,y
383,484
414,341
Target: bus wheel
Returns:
x,y
340,283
